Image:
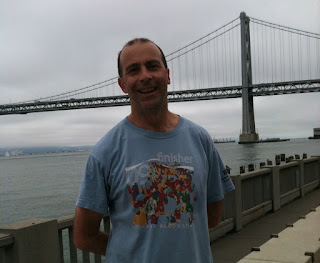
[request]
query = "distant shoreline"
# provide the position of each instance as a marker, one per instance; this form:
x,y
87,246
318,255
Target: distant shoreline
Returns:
x,y
39,155
30,151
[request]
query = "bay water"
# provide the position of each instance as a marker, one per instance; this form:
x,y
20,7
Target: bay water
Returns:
x,y
47,185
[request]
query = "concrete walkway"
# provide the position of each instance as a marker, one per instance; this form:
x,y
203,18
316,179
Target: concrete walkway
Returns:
x,y
235,246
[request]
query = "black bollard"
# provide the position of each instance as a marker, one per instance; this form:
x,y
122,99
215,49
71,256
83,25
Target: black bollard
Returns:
x,y
283,157
269,162
251,167
242,169
297,156
289,159
262,164
277,159
304,156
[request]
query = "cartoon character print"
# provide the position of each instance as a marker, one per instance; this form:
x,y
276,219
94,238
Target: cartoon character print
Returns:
x,y
158,190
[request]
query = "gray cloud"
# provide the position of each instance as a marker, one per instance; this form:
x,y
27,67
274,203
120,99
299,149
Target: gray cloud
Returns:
x,y
57,46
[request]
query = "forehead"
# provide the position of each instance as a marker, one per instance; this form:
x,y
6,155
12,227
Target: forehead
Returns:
x,y
140,52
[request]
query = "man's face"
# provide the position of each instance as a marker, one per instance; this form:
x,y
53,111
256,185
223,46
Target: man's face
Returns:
x,y
144,78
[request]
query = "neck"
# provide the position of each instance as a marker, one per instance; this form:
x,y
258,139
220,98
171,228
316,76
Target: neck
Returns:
x,y
156,122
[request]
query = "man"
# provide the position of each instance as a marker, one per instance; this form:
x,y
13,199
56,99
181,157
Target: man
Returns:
x,y
156,174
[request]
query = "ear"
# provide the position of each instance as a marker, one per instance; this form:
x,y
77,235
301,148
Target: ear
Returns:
x,y
168,76
122,86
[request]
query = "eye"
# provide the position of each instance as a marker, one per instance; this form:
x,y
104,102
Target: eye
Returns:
x,y
153,65
132,70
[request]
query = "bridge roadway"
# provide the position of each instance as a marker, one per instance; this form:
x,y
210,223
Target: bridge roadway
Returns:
x,y
235,246
265,89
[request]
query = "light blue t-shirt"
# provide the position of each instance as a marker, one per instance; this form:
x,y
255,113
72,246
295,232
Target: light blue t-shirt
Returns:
x,y
155,187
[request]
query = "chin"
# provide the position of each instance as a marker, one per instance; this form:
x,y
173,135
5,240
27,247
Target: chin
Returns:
x,y
152,107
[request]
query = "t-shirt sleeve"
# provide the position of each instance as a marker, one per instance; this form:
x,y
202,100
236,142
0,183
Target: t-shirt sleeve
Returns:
x,y
219,181
93,191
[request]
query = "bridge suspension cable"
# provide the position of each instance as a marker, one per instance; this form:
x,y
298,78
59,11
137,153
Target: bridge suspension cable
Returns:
x,y
83,90
196,67
210,61
199,40
281,53
285,28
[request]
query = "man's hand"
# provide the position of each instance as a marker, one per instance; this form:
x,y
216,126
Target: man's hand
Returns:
x,y
87,235
214,211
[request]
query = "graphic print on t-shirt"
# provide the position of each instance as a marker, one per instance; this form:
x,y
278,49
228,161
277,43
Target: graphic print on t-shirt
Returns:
x,y
161,194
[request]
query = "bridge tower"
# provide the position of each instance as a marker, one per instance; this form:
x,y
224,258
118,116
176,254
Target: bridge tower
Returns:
x,y
248,134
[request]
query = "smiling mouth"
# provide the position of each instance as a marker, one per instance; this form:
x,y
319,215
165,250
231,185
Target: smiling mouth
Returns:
x,y
149,90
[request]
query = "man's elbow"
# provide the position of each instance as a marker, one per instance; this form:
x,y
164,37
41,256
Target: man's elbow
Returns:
x,y
91,243
79,242
80,239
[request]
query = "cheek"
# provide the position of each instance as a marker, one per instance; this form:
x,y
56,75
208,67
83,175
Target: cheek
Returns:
x,y
127,86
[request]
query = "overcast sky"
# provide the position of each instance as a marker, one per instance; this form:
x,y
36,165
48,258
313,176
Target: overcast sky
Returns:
x,y
49,47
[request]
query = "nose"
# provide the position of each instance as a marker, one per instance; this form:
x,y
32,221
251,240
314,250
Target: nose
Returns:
x,y
145,74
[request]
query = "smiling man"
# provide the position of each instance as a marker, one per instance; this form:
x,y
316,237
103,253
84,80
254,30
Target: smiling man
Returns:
x,y
145,77
156,174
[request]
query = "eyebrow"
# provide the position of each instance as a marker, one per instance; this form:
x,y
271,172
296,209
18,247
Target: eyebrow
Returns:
x,y
146,63
154,61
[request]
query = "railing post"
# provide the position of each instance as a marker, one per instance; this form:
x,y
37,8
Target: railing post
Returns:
x,y
73,249
238,202
301,177
106,224
275,182
35,241
6,243
318,167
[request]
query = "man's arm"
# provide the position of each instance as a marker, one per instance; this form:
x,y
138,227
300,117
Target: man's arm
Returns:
x,y
87,235
214,211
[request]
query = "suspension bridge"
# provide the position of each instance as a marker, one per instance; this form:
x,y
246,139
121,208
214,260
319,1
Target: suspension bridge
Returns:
x,y
246,57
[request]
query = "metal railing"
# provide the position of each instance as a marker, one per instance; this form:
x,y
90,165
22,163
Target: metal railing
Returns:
x,y
256,194
6,242
68,251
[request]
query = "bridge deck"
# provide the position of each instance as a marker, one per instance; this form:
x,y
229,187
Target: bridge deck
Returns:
x,y
264,89
235,246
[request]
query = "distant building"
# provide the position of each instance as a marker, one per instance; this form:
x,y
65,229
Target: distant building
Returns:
x,y
316,133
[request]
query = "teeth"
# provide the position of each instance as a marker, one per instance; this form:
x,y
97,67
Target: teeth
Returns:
x,y
147,90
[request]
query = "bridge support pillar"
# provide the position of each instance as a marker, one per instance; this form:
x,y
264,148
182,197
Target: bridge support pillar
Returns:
x,y
248,138
249,134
